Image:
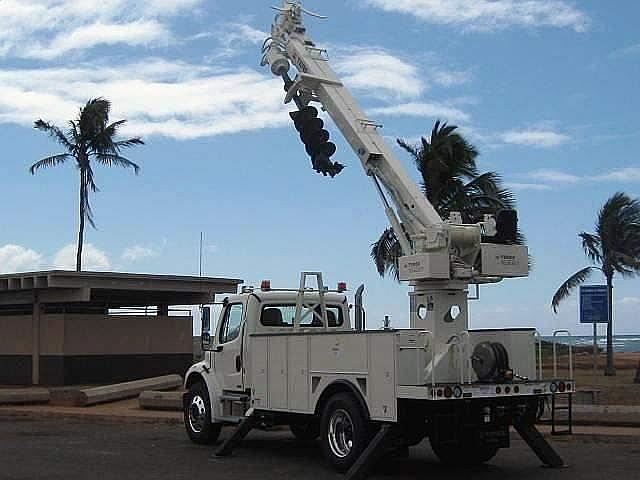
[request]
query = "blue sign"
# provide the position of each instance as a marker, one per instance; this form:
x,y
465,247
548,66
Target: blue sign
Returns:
x,y
594,304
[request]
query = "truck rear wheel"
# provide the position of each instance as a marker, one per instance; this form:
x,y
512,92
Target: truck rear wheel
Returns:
x,y
344,430
457,454
197,416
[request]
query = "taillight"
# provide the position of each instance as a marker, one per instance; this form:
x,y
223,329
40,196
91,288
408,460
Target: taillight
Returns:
x,y
265,285
561,387
342,287
448,392
457,391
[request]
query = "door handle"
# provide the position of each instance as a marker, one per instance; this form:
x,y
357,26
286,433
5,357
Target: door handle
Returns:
x,y
238,363
218,349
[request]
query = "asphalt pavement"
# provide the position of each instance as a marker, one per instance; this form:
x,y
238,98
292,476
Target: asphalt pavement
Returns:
x,y
55,449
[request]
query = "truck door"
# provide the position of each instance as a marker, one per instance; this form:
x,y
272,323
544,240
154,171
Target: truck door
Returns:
x,y
228,351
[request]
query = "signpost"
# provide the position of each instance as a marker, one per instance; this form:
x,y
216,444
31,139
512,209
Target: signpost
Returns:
x,y
594,308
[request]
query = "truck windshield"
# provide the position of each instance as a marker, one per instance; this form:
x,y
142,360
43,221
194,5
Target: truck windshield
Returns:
x,y
283,316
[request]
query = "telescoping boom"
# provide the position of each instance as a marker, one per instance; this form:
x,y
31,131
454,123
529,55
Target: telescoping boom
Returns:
x,y
441,257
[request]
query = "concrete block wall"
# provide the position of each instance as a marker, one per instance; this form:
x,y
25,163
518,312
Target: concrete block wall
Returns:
x,y
94,349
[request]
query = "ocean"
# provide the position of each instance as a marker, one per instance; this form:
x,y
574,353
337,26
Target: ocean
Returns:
x,y
621,343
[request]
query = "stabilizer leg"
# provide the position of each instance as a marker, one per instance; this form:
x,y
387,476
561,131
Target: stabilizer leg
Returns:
x,y
363,464
539,445
232,442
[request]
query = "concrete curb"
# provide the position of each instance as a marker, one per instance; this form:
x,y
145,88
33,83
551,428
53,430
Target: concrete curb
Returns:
x,y
22,396
150,400
119,391
100,418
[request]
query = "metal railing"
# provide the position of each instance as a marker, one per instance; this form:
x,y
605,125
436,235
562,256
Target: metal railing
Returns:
x,y
555,356
430,343
538,338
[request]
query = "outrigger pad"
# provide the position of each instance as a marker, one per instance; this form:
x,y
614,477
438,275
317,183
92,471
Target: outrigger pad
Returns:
x,y
539,445
230,443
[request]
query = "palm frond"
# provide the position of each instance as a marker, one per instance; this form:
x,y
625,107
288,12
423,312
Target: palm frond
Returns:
x,y
618,228
385,253
409,148
111,160
49,162
131,142
55,133
591,245
569,286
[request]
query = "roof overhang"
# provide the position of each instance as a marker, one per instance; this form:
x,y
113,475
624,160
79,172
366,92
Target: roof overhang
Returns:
x,y
111,289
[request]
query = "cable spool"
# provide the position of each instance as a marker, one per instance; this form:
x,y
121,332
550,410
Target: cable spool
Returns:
x,y
490,361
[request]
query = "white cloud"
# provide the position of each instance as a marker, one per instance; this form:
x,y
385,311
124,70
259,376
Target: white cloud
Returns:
x,y
527,186
487,15
16,258
448,78
233,37
555,176
630,301
137,252
92,258
628,174
422,109
196,101
26,26
534,138
378,73
85,37
626,51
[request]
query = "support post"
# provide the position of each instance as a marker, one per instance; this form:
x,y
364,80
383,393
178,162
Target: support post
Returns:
x,y
365,461
539,445
230,443
595,347
35,341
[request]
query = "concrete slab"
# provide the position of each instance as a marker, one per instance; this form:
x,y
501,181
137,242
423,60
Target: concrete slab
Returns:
x,y
152,400
21,396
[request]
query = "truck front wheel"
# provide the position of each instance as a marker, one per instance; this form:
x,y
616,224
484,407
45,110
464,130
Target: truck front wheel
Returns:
x,y
197,415
344,430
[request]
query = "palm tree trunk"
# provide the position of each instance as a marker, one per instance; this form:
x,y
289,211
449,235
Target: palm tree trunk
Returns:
x,y
82,217
610,370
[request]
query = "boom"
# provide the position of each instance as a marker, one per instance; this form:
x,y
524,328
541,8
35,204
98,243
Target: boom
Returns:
x,y
440,256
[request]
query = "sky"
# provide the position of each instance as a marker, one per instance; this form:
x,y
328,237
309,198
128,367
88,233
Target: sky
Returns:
x,y
547,90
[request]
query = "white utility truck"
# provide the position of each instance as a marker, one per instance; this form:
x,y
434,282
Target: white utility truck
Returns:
x,y
295,357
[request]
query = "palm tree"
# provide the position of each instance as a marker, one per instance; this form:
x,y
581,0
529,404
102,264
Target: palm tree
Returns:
x,y
451,182
89,136
614,248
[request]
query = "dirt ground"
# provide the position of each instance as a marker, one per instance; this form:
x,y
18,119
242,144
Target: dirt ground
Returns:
x,y
617,390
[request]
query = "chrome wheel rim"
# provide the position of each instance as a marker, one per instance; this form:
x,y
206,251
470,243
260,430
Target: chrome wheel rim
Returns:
x,y
340,433
197,414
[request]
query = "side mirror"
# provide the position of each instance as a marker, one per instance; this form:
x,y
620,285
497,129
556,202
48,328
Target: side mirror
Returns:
x,y
205,336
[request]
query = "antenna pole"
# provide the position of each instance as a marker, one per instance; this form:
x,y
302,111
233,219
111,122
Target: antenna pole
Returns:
x,y
201,259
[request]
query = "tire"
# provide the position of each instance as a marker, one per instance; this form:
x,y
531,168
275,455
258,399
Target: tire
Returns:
x,y
344,431
197,416
467,455
305,432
